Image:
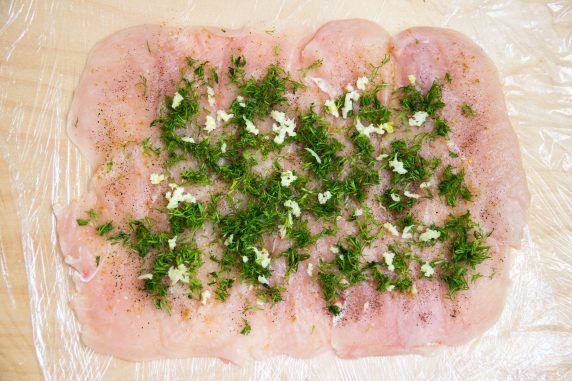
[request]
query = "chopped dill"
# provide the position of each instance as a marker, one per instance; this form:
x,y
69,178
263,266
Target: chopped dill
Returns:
x,y
105,228
467,110
332,286
183,255
246,328
413,100
271,295
196,176
300,234
148,148
222,291
187,216
363,147
254,201
394,200
372,111
293,259
313,134
313,66
441,128
418,168
448,77
453,187
214,75
260,96
143,83
82,221
468,250
144,238
119,237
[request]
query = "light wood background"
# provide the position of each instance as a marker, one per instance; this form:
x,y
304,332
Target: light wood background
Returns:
x,y
43,47
17,356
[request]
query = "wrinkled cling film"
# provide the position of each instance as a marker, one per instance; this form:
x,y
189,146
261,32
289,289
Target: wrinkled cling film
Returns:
x,y
528,40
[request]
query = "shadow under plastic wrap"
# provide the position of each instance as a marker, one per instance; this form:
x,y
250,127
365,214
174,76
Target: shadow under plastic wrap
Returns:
x,y
43,47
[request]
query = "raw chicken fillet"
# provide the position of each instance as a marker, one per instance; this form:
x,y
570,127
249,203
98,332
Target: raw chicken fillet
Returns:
x,y
110,116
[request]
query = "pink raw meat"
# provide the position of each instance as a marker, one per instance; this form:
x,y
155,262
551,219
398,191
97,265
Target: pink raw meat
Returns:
x,y
111,115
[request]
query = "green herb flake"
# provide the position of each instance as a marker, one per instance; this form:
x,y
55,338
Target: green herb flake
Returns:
x,y
119,237
331,285
448,78
105,228
313,134
214,75
183,255
412,100
271,295
372,111
187,216
198,176
260,96
246,328
144,238
293,259
222,291
148,148
453,187
468,250
313,66
334,309
143,84
441,128
467,111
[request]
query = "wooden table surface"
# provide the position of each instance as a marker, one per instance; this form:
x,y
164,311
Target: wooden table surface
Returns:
x,y
43,47
17,355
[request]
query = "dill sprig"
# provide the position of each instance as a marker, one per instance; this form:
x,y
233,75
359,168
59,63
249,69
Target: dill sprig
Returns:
x,y
159,284
105,228
412,100
467,110
144,237
187,216
260,96
313,134
196,176
223,286
293,259
468,249
418,169
453,187
332,286
371,110
91,214
246,328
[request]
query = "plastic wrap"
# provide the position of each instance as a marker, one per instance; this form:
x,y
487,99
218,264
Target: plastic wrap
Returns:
x,y
43,49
